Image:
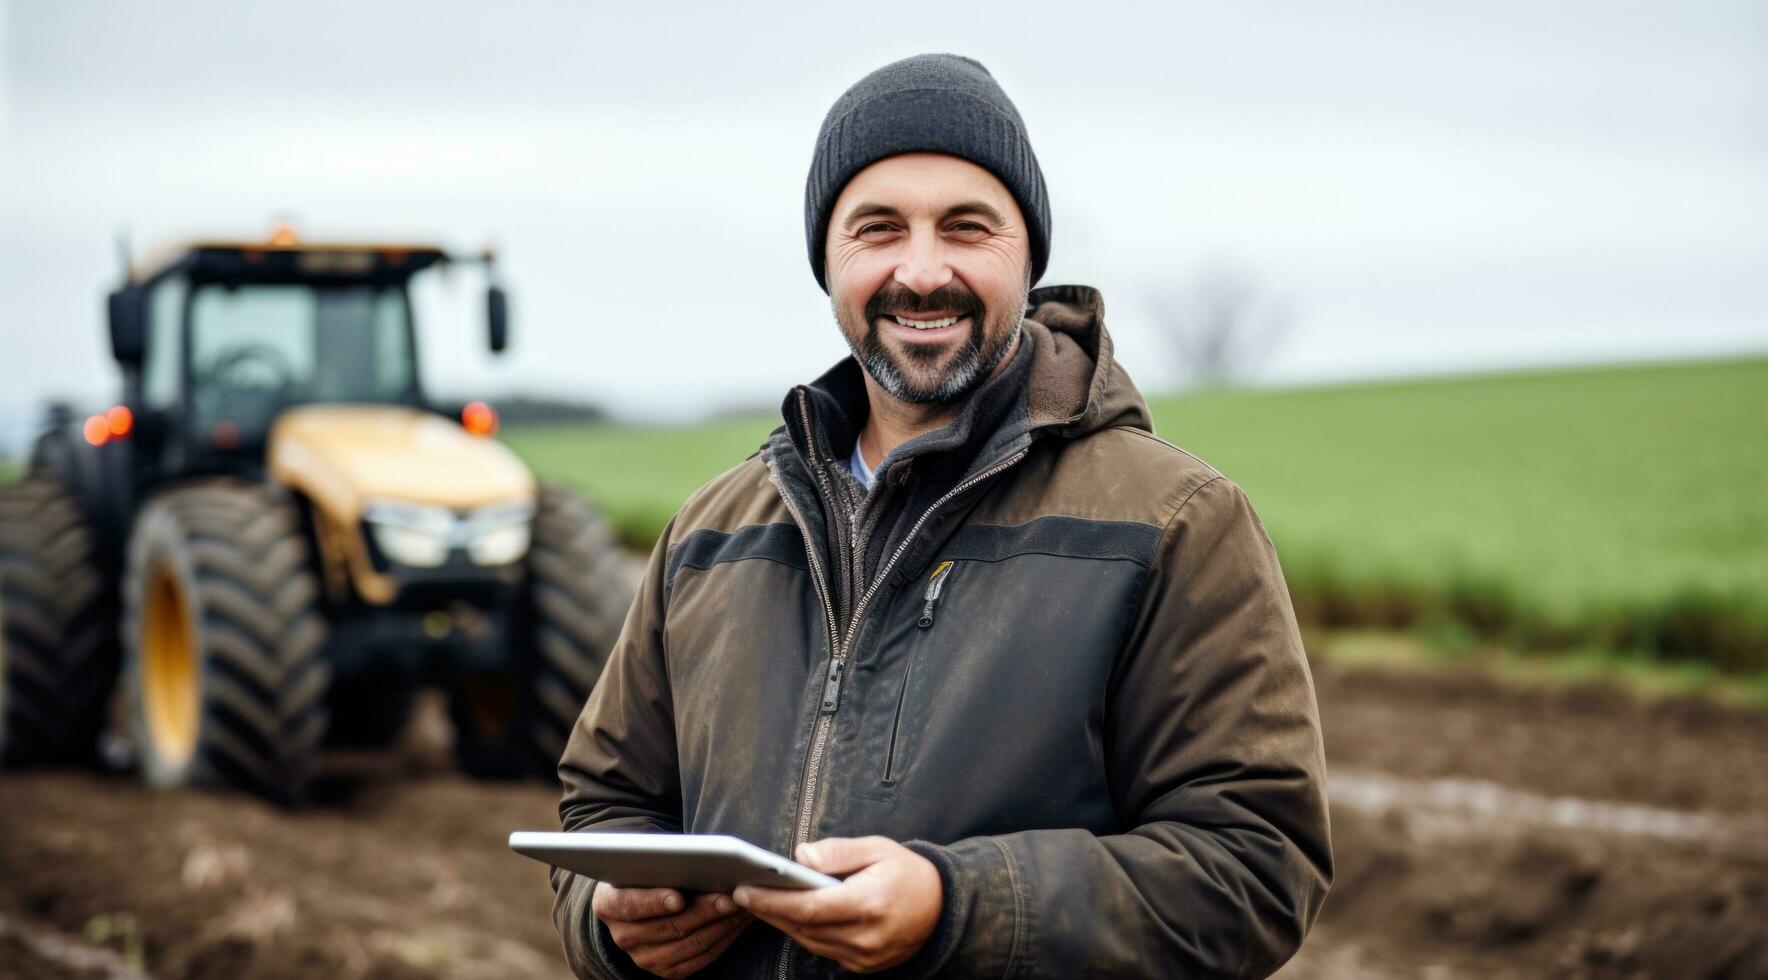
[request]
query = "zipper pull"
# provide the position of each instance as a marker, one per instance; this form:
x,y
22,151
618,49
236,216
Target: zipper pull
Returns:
x,y
934,586
832,685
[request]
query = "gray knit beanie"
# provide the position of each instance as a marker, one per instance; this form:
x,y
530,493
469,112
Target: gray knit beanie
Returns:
x,y
944,103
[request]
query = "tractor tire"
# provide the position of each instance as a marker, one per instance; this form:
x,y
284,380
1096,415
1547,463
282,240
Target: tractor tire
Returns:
x,y
224,641
580,585
58,639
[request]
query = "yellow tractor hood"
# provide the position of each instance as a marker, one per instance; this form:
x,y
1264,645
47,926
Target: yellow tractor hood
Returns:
x,y
342,455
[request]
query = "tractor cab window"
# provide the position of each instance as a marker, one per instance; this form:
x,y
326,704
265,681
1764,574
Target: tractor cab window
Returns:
x,y
160,383
256,349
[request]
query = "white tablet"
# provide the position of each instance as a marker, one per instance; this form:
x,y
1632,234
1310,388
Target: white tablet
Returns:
x,y
690,862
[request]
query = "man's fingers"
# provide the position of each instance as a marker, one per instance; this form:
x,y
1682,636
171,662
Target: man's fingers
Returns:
x,y
810,906
847,935
684,968
680,957
798,927
857,947
699,961
670,928
708,940
634,904
845,855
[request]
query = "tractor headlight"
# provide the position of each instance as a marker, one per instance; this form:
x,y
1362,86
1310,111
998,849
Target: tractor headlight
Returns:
x,y
411,534
422,535
498,534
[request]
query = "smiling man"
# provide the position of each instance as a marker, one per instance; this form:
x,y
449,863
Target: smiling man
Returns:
x,y
964,632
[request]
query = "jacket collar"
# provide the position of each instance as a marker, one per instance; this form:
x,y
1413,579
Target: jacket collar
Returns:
x,y
1062,382
838,408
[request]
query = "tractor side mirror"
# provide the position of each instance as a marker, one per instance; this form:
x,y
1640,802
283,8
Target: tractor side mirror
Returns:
x,y
128,324
497,319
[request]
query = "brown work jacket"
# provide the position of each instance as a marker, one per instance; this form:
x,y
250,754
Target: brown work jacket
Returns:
x,y
1049,651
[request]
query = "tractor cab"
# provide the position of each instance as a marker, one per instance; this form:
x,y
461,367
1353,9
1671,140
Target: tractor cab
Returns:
x,y
217,339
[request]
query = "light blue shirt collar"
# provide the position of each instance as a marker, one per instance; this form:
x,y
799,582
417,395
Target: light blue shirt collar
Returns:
x,y
857,465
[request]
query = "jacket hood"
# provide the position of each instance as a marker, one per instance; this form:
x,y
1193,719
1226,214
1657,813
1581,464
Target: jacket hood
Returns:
x,y
1076,385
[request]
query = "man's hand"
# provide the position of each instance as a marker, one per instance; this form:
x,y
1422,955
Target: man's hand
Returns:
x,y
880,916
665,933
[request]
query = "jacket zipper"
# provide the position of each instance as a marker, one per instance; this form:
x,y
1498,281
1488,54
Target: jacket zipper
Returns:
x,y
838,656
935,586
831,681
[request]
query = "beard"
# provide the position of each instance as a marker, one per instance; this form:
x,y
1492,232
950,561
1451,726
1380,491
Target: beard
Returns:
x,y
913,374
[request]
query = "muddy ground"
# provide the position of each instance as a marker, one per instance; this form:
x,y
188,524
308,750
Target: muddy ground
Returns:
x,y
1481,830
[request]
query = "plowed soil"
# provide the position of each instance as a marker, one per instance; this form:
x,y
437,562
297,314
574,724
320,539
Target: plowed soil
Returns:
x,y
1480,830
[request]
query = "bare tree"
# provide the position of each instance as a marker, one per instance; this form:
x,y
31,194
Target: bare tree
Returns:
x,y
1221,326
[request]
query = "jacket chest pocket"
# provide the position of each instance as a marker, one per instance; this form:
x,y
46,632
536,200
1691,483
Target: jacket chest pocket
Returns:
x,y
937,584
996,669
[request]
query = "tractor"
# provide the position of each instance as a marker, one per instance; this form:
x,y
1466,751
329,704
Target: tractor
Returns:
x,y
276,539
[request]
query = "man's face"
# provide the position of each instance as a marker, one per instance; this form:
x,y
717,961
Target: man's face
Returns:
x,y
928,261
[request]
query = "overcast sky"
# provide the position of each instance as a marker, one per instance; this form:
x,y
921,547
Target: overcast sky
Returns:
x,y
1431,186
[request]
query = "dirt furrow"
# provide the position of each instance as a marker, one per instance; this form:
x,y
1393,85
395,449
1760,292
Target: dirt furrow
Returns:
x,y
1478,832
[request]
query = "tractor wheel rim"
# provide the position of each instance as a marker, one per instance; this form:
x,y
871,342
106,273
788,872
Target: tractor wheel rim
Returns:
x,y
169,670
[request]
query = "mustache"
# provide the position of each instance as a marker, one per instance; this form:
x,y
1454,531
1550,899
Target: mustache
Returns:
x,y
897,297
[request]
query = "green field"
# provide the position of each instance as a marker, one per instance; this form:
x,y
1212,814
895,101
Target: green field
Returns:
x,y
1613,508
1601,509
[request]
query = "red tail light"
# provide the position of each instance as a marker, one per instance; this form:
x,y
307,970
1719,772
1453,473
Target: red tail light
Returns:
x,y
115,423
479,418
96,430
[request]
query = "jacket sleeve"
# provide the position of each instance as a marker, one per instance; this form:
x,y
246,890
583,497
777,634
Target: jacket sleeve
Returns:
x,y
1218,777
619,767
